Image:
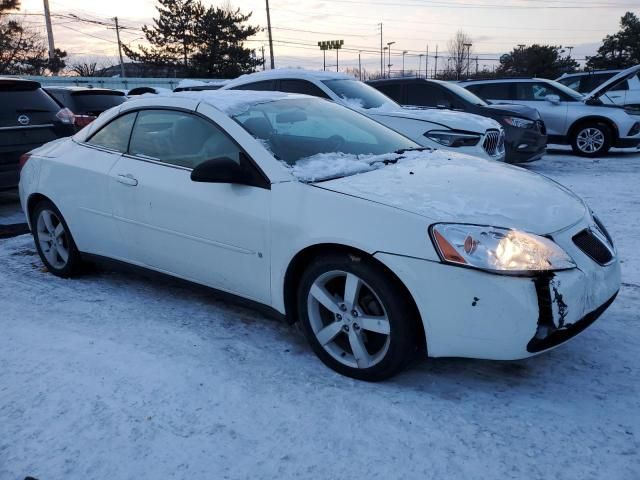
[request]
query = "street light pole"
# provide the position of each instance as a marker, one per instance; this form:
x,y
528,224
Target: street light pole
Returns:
x,y
270,37
468,45
389,65
420,64
359,66
404,52
385,59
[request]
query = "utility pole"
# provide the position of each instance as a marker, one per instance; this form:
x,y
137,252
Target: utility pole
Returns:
x,y
404,52
468,45
359,66
435,70
570,50
273,63
47,19
426,65
122,74
262,48
477,66
381,53
420,65
389,65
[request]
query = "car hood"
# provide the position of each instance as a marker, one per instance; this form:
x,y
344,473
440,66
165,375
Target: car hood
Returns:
x,y
505,110
450,187
447,118
612,82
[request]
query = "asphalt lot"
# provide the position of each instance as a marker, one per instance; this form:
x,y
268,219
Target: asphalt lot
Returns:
x,y
115,375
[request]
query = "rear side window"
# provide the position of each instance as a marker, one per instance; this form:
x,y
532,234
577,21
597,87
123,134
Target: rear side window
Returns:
x,y
180,139
115,134
492,91
393,91
301,86
34,103
265,85
592,81
429,96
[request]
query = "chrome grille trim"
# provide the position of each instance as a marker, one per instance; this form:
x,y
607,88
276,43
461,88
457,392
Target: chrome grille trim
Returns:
x,y
494,143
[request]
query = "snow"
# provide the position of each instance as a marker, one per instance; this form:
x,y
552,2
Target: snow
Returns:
x,y
187,82
234,102
115,375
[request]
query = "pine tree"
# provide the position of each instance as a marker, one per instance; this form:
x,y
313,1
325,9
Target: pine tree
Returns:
x,y
620,50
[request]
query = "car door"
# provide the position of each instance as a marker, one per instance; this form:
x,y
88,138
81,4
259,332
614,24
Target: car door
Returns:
x,y
539,95
210,233
83,177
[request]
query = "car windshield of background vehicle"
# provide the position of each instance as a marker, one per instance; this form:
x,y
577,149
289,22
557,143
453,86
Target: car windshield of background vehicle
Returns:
x,y
359,95
336,141
566,90
465,94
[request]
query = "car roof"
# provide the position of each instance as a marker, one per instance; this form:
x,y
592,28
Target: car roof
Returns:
x,y
296,73
104,91
504,80
9,81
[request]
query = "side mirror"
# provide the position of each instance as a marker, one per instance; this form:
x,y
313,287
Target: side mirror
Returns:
x,y
555,99
226,170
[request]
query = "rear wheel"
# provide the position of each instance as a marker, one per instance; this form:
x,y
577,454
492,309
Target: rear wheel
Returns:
x,y
591,140
53,240
357,319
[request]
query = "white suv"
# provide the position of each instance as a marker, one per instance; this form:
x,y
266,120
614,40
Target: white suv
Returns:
x,y
443,129
625,93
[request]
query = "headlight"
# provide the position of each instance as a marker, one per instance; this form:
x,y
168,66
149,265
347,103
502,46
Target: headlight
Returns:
x,y
498,249
451,138
518,122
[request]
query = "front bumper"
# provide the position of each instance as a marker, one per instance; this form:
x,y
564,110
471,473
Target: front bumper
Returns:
x,y
524,144
471,313
627,143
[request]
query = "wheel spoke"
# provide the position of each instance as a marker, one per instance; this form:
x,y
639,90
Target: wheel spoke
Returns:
x,y
58,231
51,253
63,253
375,324
362,357
328,333
324,298
352,289
48,222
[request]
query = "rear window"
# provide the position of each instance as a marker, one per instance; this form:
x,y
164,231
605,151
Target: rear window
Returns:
x,y
492,91
34,103
93,103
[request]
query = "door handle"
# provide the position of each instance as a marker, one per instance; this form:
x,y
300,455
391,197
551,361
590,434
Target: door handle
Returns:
x,y
127,179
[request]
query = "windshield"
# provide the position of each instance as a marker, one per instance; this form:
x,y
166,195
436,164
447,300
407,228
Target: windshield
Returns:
x,y
464,93
298,129
360,95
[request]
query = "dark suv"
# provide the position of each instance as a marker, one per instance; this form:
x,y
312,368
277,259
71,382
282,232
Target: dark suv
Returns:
x,y
526,136
86,103
28,118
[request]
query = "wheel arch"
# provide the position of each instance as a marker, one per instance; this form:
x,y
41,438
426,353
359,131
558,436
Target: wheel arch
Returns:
x,y
303,257
32,201
595,119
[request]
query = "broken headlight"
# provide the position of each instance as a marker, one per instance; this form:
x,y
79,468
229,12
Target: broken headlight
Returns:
x,y
500,250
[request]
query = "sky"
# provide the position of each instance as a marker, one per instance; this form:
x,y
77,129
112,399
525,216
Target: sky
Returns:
x,y
495,26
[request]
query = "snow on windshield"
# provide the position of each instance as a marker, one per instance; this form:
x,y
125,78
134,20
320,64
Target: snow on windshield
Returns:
x,y
324,166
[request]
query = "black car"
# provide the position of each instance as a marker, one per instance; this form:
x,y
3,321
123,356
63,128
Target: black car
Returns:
x,y
526,135
86,103
28,118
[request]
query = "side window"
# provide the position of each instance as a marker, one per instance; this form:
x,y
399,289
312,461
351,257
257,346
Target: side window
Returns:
x,y
621,86
180,138
573,83
535,92
301,86
265,85
115,134
393,91
492,91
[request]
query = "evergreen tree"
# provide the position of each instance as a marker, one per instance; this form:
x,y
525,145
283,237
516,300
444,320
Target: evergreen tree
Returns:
x,y
620,50
544,61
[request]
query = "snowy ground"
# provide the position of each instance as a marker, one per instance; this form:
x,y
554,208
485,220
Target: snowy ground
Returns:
x,y
116,376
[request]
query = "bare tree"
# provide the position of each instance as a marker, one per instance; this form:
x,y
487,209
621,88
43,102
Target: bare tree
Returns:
x,y
460,51
90,67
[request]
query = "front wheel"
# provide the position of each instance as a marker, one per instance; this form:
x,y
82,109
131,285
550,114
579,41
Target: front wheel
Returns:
x,y
591,140
53,240
356,318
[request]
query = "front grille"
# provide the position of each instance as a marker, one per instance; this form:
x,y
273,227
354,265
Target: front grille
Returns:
x,y
593,246
541,127
494,143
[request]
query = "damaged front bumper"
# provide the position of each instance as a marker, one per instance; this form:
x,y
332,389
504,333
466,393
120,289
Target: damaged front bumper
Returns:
x,y
472,313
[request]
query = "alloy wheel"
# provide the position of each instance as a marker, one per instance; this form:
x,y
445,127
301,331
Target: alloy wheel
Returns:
x,y
348,319
590,140
53,239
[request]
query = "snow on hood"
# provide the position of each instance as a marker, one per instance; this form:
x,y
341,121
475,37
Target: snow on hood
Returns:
x,y
447,118
450,187
612,82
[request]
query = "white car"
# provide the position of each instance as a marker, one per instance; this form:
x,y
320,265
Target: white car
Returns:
x,y
444,129
379,247
625,93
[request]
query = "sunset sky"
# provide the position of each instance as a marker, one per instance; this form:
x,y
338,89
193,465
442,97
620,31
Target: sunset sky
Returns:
x,y
495,26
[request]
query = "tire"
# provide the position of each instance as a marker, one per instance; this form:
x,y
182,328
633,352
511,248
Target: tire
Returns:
x,y
370,339
591,139
53,240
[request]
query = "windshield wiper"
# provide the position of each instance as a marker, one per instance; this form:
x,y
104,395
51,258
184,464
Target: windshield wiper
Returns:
x,y
414,149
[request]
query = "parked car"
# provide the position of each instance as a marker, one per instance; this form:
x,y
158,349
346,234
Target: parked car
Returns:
x,y
625,93
86,103
381,248
142,90
28,118
525,133
188,85
456,131
590,126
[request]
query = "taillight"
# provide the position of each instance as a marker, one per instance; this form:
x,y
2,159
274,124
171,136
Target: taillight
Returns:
x,y
66,116
84,120
23,160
